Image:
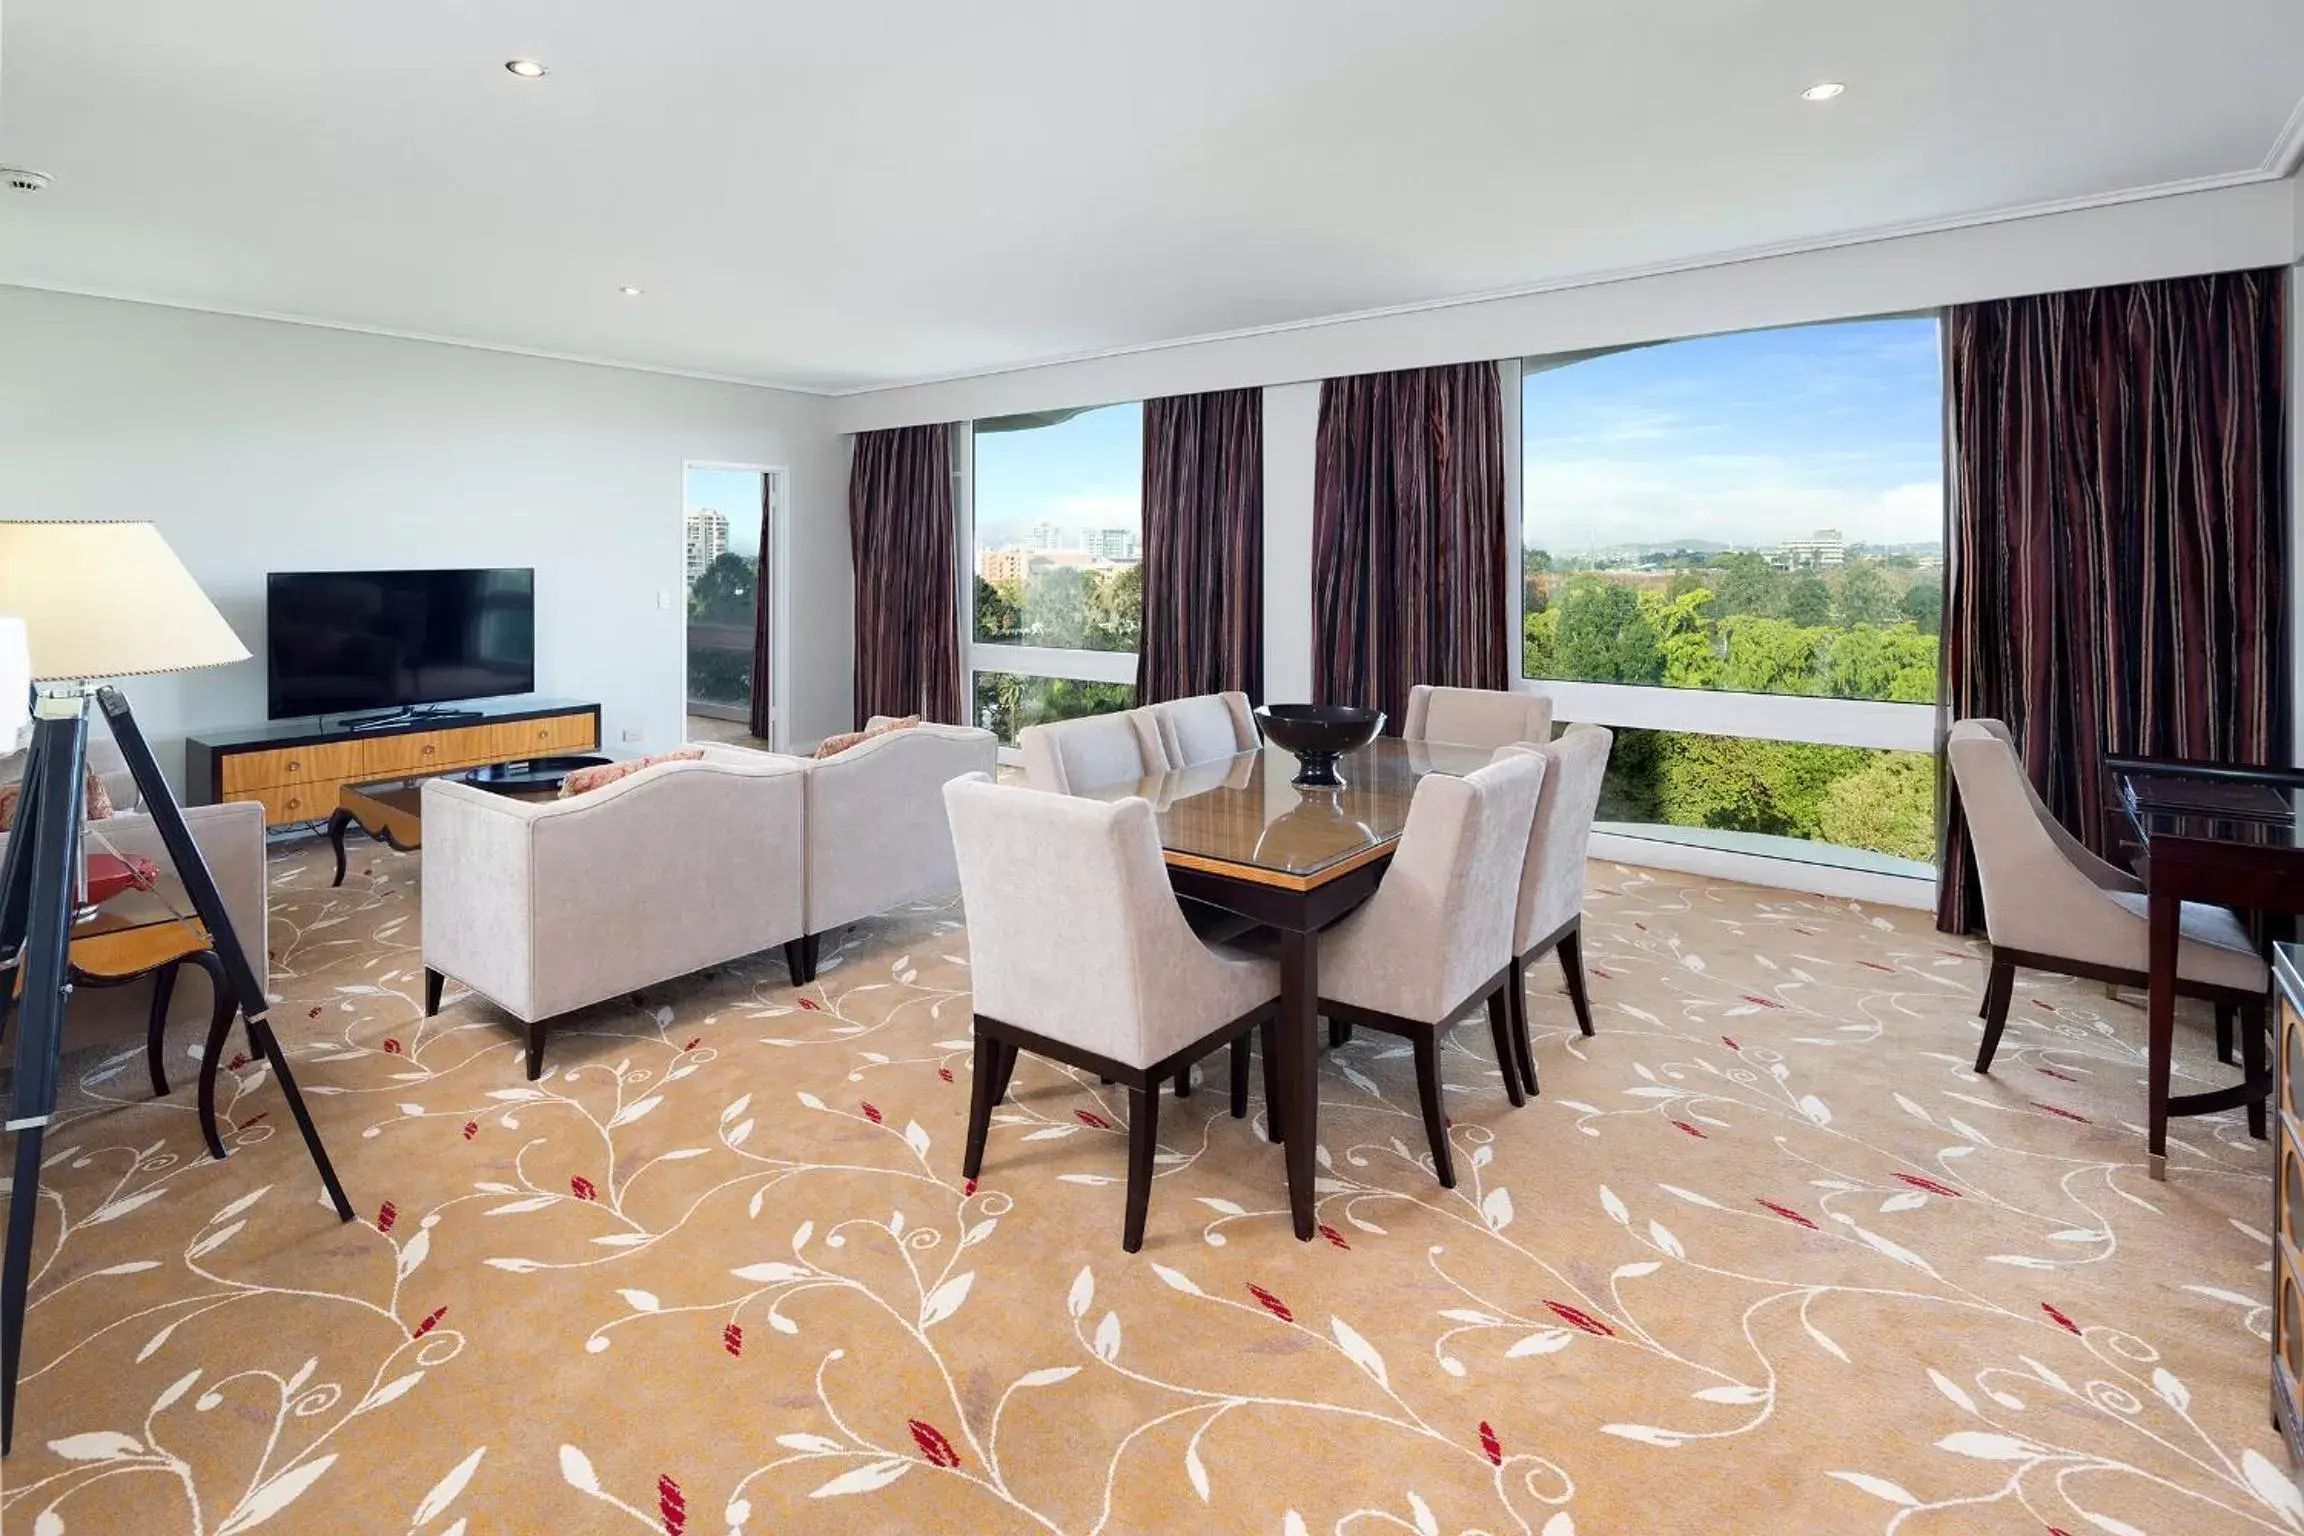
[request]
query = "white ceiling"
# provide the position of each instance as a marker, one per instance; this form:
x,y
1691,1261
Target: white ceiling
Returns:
x,y
844,195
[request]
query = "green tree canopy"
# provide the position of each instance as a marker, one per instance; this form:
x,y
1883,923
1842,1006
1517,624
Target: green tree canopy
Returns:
x,y
1924,605
1865,596
1602,637
724,592
1749,584
1808,601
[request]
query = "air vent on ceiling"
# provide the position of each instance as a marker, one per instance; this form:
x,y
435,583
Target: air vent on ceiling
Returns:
x,y
16,179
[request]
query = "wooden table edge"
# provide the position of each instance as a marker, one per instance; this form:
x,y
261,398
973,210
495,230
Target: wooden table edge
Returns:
x,y
1254,874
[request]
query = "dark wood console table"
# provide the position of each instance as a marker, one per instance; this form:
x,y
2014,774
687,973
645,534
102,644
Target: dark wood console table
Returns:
x,y
297,769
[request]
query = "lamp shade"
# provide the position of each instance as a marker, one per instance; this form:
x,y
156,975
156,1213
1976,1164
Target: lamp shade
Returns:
x,y
107,600
15,681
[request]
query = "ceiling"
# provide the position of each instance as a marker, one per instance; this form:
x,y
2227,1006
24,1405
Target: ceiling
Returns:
x,y
842,196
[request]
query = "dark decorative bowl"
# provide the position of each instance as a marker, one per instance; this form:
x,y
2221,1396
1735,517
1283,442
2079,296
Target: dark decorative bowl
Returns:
x,y
1319,734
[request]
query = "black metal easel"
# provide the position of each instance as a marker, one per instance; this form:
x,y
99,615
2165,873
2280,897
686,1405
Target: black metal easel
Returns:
x,y
39,877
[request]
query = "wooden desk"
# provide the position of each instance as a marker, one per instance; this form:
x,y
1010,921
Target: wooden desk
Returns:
x,y
1237,835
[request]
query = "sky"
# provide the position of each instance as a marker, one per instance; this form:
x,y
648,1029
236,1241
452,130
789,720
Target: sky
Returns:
x,y
735,495
1747,439
1087,472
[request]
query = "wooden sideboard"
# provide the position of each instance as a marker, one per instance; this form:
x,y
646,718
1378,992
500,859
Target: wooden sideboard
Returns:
x,y
295,768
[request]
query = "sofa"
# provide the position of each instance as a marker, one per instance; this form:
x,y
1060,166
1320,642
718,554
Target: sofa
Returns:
x,y
230,838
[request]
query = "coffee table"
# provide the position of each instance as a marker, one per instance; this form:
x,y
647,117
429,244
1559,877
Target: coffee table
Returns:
x,y
392,812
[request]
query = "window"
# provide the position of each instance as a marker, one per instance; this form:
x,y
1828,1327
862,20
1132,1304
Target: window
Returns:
x,y
723,525
1057,605
1756,514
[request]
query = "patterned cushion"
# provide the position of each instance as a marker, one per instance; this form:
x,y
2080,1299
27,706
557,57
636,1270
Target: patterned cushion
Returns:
x,y
600,775
98,800
835,745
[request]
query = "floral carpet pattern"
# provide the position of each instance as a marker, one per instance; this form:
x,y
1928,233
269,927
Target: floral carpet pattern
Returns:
x,y
1764,1255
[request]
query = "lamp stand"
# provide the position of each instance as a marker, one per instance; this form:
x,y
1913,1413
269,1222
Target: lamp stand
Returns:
x,y
39,875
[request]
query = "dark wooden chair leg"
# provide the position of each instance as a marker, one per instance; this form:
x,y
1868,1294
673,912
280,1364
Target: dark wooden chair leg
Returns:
x,y
1268,1042
535,1052
2224,1017
1339,1033
1183,1082
1572,964
1500,1025
432,981
222,1011
1427,1043
1240,1076
1999,985
983,1093
2253,1048
1516,994
1143,1141
1007,1072
156,1034
796,961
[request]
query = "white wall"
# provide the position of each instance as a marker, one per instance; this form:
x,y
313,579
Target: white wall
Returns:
x,y
258,446
2216,231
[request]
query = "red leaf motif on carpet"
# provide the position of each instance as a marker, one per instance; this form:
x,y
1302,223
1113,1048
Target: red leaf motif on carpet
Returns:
x,y
1876,965
471,1129
1335,1238
871,1113
732,1339
811,1005
2064,1113
2062,1321
944,1073
1581,1319
2062,1077
1093,1120
315,1013
694,1042
2041,1002
1603,975
430,1322
968,1188
391,1047
932,1444
1490,1446
1790,1214
1765,1002
239,1060
1271,1303
1691,1130
583,1188
1929,1185
672,1504
1730,1042
386,1214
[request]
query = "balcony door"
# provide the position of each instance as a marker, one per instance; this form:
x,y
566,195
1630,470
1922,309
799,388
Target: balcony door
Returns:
x,y
727,525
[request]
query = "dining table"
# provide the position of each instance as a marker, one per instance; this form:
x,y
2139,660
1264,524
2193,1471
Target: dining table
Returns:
x,y
2203,832
1237,834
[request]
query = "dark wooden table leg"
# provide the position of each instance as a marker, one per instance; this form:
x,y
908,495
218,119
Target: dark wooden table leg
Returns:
x,y
2161,1042
338,820
1299,1041
219,1035
156,1032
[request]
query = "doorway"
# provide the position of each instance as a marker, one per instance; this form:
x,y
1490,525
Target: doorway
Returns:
x,y
728,525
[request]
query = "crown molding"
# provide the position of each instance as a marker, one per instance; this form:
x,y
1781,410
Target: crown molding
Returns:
x,y
2287,151
1840,241
389,333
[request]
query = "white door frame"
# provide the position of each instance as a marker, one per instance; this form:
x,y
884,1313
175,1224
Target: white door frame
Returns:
x,y
775,589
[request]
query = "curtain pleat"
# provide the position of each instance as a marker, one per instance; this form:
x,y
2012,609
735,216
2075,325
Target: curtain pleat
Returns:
x,y
1203,546
2119,537
763,658
901,539
1411,553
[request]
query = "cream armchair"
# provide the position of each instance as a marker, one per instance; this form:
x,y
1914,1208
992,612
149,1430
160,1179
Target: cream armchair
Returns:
x,y
1185,733
877,835
1476,717
1072,757
544,907
230,838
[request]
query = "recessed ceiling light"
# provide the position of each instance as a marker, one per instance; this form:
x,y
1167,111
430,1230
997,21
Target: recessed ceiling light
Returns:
x,y
629,291
1822,91
526,69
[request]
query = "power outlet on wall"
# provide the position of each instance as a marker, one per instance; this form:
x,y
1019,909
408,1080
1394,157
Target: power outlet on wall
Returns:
x,y
632,733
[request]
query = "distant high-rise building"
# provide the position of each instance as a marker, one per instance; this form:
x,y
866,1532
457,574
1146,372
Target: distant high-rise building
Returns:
x,y
1044,536
1112,543
1004,566
1823,551
707,539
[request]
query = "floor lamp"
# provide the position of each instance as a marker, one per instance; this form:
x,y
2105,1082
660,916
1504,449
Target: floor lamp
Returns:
x,y
82,600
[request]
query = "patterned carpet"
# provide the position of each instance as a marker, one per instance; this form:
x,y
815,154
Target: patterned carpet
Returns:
x,y
1764,1256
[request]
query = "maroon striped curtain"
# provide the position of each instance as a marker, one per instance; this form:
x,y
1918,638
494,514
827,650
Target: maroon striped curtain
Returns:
x,y
2119,536
1203,546
763,632
900,536
1410,552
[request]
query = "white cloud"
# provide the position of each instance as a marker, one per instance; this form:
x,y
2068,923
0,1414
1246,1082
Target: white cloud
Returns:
x,y
1754,500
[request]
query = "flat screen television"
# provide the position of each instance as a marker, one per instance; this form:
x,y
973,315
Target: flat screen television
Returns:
x,y
341,642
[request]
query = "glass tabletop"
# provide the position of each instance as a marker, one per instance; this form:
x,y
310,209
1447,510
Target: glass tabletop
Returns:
x,y
2169,797
166,902
1243,812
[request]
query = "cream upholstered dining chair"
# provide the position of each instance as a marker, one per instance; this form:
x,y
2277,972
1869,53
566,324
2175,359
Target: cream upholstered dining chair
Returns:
x,y
1072,757
2045,910
1079,954
1550,913
1437,935
1201,729
1475,717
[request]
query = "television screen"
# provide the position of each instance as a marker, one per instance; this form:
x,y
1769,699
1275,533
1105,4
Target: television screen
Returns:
x,y
345,641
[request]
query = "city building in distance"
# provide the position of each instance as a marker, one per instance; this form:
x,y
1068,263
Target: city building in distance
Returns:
x,y
707,539
1824,550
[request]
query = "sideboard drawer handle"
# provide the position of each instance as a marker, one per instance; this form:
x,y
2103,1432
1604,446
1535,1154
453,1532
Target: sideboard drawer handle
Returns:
x,y
428,751
295,766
